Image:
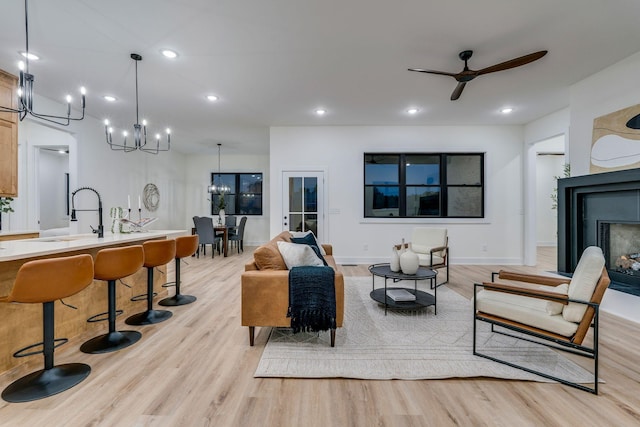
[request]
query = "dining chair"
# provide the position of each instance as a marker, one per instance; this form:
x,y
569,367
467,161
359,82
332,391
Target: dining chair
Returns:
x,y
206,235
231,221
238,236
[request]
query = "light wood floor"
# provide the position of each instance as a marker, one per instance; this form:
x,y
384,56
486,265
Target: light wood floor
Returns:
x,y
196,369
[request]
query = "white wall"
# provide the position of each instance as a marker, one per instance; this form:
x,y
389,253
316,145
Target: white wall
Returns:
x,y
114,174
545,128
198,177
612,89
181,179
339,150
32,136
548,167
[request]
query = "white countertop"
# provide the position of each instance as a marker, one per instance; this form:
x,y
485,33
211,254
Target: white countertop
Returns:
x,y
26,248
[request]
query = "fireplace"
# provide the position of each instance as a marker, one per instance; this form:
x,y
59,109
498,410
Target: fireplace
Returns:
x,y
620,243
602,210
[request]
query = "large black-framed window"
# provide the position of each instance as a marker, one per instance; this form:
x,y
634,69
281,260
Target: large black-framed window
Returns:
x,y
424,185
244,196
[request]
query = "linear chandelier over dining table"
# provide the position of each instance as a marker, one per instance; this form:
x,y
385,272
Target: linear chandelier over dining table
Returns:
x,y
219,188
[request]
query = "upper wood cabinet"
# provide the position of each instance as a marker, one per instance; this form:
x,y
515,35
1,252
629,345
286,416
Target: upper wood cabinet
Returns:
x,y
8,137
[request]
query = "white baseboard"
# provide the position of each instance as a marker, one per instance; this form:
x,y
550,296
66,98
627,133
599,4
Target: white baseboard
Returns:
x,y
547,244
454,261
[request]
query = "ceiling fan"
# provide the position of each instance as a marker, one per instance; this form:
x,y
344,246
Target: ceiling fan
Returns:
x,y
467,75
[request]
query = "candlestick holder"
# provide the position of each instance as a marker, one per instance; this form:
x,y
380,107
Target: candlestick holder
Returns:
x,y
139,214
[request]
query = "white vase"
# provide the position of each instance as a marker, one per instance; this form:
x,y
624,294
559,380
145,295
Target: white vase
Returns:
x,y
409,262
221,216
394,265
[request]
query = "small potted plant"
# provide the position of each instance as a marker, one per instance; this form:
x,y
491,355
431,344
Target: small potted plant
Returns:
x,y
221,206
5,206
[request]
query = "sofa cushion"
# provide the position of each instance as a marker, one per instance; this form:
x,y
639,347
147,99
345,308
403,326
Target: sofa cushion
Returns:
x,y
267,257
297,255
553,307
530,311
423,239
311,241
304,234
425,259
284,236
583,283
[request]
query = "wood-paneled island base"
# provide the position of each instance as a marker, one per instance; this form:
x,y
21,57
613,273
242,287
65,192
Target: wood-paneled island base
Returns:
x,y
19,235
22,323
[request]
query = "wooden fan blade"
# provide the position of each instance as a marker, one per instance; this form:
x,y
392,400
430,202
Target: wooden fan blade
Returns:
x,y
442,73
517,62
458,91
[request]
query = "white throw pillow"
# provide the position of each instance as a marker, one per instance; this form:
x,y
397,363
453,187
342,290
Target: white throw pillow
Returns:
x,y
297,255
298,234
552,306
583,283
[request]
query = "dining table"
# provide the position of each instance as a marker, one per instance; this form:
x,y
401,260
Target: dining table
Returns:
x,y
225,236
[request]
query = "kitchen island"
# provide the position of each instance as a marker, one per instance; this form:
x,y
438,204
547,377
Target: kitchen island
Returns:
x,y
22,323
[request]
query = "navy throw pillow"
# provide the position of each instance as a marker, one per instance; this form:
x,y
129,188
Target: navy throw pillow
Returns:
x,y
311,241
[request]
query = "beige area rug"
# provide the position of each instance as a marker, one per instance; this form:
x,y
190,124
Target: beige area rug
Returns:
x,y
406,345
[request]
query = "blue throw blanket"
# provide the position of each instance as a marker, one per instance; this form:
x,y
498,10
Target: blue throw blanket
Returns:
x,y
312,299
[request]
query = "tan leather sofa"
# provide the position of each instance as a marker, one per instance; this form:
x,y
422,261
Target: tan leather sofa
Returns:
x,y
265,288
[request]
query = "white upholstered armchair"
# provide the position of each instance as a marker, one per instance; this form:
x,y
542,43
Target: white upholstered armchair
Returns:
x,y
554,311
432,247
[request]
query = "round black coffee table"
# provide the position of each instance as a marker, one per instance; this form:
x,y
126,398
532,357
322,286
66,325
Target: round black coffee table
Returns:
x,y
422,299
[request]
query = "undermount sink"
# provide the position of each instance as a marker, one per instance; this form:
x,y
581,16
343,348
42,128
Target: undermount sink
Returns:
x,y
59,239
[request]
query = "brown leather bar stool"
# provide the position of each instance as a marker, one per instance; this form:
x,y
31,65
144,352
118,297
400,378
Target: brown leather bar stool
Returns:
x,y
110,265
156,253
43,282
185,247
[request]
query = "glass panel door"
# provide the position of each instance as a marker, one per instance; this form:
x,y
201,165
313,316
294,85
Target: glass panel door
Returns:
x,y
303,195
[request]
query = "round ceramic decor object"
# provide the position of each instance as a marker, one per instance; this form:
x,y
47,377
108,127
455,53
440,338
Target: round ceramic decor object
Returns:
x,y
409,262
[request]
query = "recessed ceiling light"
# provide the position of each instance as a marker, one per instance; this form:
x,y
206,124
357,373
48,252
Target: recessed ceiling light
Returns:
x,y
109,98
30,56
321,111
168,53
212,98
506,110
413,111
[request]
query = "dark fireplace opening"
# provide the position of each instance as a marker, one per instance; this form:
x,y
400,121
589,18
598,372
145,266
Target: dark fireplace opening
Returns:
x,y
602,210
620,243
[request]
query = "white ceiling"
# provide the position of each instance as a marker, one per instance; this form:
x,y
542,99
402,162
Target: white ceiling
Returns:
x,y
272,62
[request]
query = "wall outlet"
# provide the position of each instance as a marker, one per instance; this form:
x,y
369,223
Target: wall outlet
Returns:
x,y
483,248
365,247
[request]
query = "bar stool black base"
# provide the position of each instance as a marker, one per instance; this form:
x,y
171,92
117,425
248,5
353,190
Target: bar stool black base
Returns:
x,y
149,317
177,300
112,341
46,382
